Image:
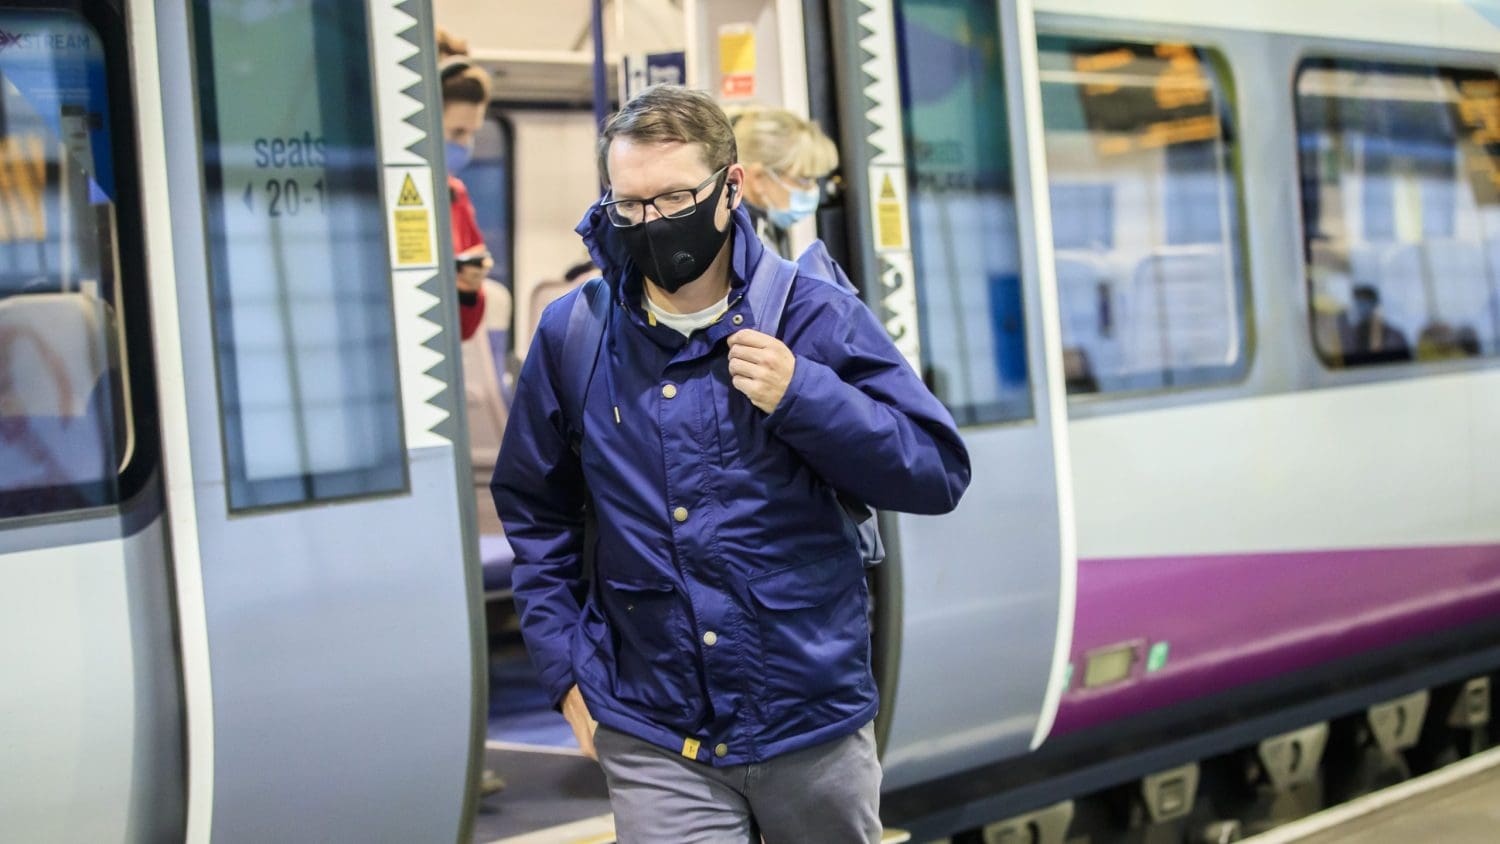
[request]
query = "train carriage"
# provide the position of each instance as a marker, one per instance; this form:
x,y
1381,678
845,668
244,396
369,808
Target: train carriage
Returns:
x,y
1213,292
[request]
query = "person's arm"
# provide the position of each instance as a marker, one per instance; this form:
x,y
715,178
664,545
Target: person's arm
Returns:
x,y
861,417
468,244
539,494
473,268
470,306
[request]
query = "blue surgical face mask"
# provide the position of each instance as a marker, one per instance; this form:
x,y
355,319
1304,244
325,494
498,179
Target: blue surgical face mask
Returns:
x,y
458,156
800,206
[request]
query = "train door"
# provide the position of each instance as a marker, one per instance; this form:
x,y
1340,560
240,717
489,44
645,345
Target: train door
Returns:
x,y
949,228
328,603
91,737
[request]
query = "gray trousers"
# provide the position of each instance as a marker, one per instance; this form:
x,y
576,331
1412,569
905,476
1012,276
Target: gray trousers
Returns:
x,y
826,794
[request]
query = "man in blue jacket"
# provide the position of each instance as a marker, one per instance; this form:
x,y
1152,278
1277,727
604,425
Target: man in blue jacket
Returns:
x,y
718,634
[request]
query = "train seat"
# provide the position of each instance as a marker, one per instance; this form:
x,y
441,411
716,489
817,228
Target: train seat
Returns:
x,y
1366,260
1463,286
499,316
1077,288
1403,297
544,294
56,419
484,392
484,356
1183,309
1086,292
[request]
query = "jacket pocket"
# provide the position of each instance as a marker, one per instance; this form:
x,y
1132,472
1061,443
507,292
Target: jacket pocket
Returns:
x,y
814,634
654,663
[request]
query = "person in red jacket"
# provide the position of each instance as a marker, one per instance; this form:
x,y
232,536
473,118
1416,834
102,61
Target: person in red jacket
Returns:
x,y
466,92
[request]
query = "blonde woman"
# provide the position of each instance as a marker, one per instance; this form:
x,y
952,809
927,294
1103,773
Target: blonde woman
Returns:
x,y
786,159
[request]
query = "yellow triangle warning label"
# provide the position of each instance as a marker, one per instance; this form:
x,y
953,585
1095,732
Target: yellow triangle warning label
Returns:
x,y
889,225
410,197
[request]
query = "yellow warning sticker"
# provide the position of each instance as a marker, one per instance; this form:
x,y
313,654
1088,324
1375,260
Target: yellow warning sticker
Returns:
x,y
736,61
690,748
413,241
736,49
890,233
413,238
410,197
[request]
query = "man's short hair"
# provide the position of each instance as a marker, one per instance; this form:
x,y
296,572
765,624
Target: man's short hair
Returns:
x,y
672,113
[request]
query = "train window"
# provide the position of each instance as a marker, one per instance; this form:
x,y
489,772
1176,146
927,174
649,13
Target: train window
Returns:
x,y
963,209
300,275
1145,208
65,426
1400,173
488,178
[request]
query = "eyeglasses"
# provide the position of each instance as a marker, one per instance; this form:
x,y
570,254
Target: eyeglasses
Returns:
x,y
797,182
625,213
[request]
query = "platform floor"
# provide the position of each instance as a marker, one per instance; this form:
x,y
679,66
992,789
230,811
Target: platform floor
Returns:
x,y
543,790
555,797
1459,804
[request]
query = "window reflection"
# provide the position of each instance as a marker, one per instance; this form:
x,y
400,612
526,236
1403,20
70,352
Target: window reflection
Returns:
x,y
64,429
489,178
300,267
963,209
1400,169
1144,215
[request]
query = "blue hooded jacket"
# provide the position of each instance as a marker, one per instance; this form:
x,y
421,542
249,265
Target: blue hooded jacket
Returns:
x,y
725,618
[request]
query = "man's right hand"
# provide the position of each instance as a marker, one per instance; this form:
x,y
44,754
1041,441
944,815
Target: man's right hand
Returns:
x,y
583,724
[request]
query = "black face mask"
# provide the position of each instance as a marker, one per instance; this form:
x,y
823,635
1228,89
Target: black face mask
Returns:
x,y
674,252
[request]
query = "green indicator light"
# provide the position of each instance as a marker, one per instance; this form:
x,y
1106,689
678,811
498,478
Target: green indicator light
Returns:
x,y
1157,659
1068,677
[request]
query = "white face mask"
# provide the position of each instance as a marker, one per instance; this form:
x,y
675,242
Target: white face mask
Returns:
x,y
800,205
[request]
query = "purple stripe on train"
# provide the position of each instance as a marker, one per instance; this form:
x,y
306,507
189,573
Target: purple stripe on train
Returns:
x,y
1228,620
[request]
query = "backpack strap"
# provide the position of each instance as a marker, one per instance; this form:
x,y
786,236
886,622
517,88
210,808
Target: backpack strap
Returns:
x,y
772,284
769,289
816,262
581,342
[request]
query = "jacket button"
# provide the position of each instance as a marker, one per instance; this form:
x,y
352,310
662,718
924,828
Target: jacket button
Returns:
x,y
738,318
680,514
669,391
721,751
710,638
